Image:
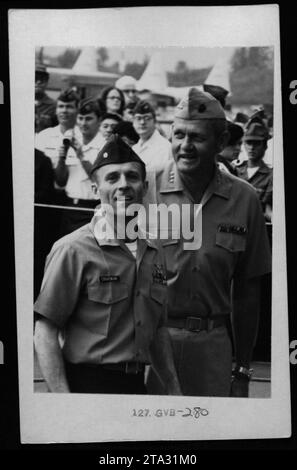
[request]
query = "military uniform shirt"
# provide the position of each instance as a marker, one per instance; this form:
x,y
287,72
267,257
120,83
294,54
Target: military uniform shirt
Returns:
x,y
234,244
79,185
261,180
154,152
45,111
108,303
50,140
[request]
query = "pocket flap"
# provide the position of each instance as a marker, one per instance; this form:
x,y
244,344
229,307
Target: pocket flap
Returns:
x,y
172,241
108,294
231,241
159,293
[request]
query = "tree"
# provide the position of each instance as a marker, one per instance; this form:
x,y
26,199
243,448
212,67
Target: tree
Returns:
x,y
181,67
135,69
252,75
103,56
68,58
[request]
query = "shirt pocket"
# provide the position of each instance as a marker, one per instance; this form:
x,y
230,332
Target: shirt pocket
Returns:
x,y
103,301
158,293
232,242
170,248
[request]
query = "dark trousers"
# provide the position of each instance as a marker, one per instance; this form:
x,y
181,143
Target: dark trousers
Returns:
x,y
84,378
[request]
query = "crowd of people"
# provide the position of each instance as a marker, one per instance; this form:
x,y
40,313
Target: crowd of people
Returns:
x,y
175,310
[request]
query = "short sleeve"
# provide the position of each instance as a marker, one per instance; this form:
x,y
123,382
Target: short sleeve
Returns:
x,y
61,284
267,198
255,260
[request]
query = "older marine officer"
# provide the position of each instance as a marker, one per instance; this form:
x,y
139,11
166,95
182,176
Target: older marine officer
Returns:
x,y
221,277
107,294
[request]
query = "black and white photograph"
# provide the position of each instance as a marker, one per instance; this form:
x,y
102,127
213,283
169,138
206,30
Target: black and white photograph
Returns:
x,y
149,224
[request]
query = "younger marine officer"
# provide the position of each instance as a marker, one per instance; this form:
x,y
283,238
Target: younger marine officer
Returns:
x,y
255,170
221,277
107,295
45,107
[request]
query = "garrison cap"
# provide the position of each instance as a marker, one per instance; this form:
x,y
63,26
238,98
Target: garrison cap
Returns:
x,y
89,105
116,151
126,82
40,69
144,107
114,116
256,129
235,132
241,118
126,129
69,95
198,104
218,92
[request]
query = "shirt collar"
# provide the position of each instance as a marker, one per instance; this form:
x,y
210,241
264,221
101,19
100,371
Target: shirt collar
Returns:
x,y
95,143
149,141
105,236
220,184
263,168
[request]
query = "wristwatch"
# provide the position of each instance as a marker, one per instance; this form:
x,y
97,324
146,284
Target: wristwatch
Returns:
x,y
242,373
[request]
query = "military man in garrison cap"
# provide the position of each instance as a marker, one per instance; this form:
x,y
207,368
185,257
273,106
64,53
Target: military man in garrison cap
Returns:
x,y
106,293
73,170
255,170
45,107
51,141
152,148
220,279
128,85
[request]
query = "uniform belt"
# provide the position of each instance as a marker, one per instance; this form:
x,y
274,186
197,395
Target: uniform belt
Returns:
x,y
126,367
92,203
197,323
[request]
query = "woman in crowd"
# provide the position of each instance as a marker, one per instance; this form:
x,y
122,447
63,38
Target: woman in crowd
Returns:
x,y
113,99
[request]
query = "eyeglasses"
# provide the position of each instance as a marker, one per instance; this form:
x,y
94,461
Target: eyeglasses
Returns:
x,y
130,91
144,118
114,98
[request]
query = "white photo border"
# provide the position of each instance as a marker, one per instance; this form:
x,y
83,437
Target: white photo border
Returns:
x,y
61,418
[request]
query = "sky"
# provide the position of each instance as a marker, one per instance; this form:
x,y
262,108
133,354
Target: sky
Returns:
x,y
195,57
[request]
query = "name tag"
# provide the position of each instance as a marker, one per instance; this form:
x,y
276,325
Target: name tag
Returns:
x,y
109,278
228,228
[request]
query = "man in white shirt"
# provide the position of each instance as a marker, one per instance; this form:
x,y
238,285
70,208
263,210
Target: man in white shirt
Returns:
x,y
50,141
74,172
152,148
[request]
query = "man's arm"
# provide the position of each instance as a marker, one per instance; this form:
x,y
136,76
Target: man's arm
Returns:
x,y
50,355
245,319
87,166
61,170
162,362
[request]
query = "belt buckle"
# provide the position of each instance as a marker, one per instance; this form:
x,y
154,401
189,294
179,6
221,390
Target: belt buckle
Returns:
x,y
75,201
132,367
195,321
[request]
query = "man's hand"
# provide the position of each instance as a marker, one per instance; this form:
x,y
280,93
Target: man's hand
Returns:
x,y
62,152
163,363
173,388
239,388
76,145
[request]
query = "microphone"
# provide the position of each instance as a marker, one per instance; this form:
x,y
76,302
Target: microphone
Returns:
x,y
67,138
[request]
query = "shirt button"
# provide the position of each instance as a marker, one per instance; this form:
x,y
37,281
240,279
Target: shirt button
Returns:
x,y
138,323
195,296
137,293
195,269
